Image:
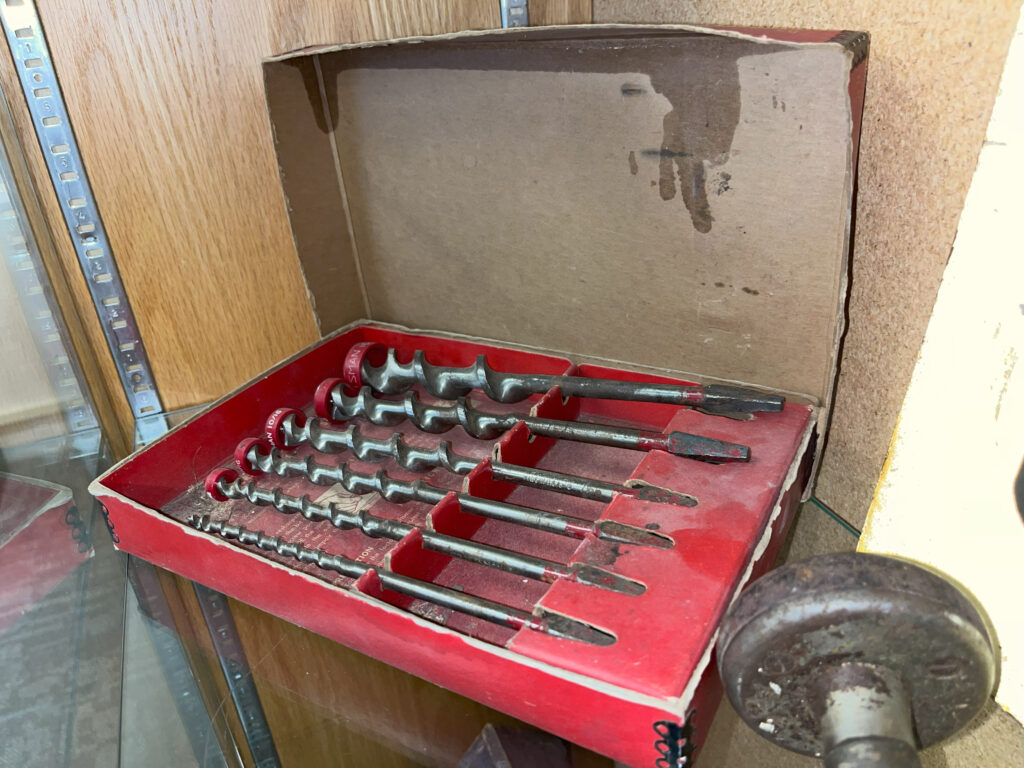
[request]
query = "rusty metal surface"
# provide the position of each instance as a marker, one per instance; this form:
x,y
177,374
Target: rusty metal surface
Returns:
x,y
552,624
844,623
289,428
380,527
392,377
436,418
400,491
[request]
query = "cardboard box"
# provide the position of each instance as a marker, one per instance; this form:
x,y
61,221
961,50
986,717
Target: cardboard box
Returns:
x,y
670,201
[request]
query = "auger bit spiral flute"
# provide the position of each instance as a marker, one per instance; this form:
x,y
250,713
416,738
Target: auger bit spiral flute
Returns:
x,y
377,366
550,624
224,484
288,428
333,404
401,491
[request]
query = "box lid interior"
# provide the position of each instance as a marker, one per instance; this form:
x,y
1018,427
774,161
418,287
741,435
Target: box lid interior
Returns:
x,y
669,197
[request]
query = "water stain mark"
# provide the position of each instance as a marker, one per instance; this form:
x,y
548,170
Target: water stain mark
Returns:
x,y
722,183
662,153
698,131
704,95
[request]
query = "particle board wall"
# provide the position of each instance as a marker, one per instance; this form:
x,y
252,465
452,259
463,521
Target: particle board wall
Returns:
x,y
933,72
167,103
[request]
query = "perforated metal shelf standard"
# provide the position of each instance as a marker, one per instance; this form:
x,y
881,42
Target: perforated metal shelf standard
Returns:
x,y
67,172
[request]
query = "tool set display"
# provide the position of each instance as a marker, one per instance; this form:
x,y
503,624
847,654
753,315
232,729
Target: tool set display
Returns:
x,y
496,506
224,484
416,490
549,624
288,430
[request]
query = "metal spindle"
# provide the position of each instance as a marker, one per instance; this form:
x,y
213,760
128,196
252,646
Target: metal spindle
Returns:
x,y
332,403
289,428
400,491
392,377
478,607
225,484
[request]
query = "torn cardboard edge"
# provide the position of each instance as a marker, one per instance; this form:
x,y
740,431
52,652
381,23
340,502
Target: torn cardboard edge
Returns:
x,y
850,40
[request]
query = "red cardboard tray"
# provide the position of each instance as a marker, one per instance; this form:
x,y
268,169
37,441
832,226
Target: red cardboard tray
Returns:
x,y
628,700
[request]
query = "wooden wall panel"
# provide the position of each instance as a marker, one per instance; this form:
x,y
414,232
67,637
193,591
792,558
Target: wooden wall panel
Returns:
x,y
329,705
167,106
544,12
932,76
167,103
293,25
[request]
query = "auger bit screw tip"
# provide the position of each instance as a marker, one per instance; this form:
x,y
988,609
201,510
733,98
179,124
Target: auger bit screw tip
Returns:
x,y
377,527
485,425
327,439
385,374
471,605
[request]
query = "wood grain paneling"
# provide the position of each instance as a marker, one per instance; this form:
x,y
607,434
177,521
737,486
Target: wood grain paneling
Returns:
x,y
932,78
329,705
295,25
167,107
543,12
167,104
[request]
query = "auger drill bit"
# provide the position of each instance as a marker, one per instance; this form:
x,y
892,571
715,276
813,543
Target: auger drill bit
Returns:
x,y
288,428
400,491
478,607
332,403
224,484
391,377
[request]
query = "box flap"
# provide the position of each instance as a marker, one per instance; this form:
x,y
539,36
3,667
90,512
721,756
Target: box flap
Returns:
x,y
660,196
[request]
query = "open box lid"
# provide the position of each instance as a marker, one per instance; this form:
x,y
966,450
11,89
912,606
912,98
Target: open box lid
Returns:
x,y
675,198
